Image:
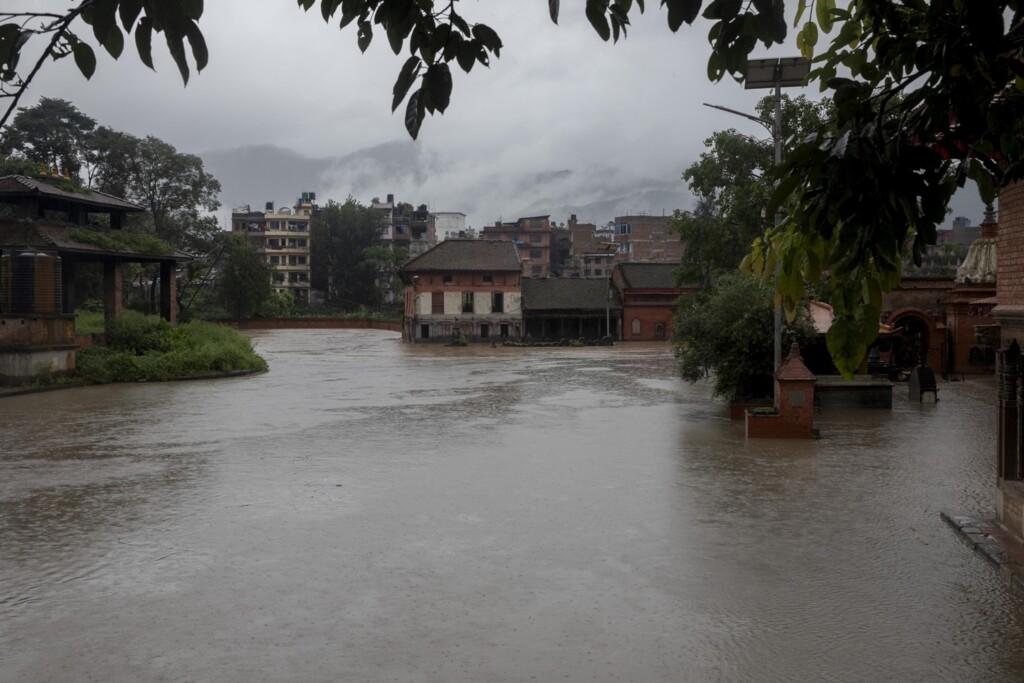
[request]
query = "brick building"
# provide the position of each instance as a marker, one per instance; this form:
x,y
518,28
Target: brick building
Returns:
x,y
1008,314
532,235
646,239
649,295
463,286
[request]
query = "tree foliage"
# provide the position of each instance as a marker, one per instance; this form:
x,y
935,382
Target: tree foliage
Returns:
x,y
732,182
173,186
927,95
726,331
244,280
344,255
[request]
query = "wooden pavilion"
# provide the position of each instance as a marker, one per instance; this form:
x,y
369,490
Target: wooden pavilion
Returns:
x,y
48,226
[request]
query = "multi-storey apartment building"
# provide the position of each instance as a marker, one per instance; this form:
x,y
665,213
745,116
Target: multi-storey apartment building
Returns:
x,y
646,238
282,237
532,236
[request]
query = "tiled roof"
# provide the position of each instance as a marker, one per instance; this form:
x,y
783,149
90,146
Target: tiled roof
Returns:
x,y
553,294
793,367
19,185
649,275
467,254
24,233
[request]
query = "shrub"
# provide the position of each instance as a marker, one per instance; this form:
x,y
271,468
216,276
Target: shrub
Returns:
x,y
146,348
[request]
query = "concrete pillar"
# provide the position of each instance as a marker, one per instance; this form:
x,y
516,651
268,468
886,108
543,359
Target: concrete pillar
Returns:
x,y
113,304
168,292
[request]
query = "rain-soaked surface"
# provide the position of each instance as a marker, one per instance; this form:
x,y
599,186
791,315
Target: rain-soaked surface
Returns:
x,y
373,511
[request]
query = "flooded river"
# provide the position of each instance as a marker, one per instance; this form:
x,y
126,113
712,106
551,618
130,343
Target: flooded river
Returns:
x,y
372,511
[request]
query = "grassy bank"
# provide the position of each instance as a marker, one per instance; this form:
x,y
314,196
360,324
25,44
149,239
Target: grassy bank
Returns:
x,y
146,348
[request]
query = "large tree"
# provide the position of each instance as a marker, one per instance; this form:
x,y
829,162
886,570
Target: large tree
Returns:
x,y
732,182
345,264
244,283
725,331
54,133
927,95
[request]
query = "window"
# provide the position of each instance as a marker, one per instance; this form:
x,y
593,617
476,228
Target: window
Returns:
x,y
586,273
623,228
504,330
467,302
659,330
485,331
535,270
535,238
424,331
437,303
535,253
446,279
275,225
636,325
598,272
488,279
497,302
302,244
275,260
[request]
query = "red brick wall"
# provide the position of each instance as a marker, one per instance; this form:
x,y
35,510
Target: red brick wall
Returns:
x,y
1010,247
649,316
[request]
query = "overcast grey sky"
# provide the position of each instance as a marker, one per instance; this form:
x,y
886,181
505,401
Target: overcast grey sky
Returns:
x,y
558,99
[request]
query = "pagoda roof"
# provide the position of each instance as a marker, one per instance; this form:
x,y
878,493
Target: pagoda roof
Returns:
x,y
56,192
23,234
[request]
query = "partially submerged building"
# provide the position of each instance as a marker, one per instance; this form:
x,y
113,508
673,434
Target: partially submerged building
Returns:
x,y
463,287
570,308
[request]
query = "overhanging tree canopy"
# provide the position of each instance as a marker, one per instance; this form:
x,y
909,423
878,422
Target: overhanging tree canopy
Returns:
x,y
928,94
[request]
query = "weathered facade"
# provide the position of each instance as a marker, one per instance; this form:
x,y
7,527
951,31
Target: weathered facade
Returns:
x,y
283,239
463,287
649,295
1008,314
570,308
646,239
532,235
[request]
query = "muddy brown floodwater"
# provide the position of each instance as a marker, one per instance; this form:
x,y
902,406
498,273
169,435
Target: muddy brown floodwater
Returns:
x,y
374,511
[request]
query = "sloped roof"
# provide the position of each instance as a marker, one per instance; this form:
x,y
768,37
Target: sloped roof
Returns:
x,y
793,367
467,255
19,234
49,189
554,294
649,275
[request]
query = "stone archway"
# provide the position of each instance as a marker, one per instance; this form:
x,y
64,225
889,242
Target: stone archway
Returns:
x,y
917,340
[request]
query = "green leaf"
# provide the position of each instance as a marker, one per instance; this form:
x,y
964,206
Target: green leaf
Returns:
x,y
406,77
807,39
193,9
553,10
801,7
103,14
438,82
466,55
488,38
198,43
681,12
823,12
364,35
414,115
114,43
85,58
598,19
176,46
144,41
129,12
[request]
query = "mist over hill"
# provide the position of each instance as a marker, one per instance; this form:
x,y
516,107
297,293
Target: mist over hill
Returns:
x,y
484,191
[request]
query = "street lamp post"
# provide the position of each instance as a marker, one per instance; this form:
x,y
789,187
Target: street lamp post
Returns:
x,y
774,72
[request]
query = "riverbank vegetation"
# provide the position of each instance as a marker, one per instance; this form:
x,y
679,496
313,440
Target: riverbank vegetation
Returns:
x,y
146,348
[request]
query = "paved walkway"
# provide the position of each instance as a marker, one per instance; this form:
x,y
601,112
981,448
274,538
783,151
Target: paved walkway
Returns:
x,y
995,544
